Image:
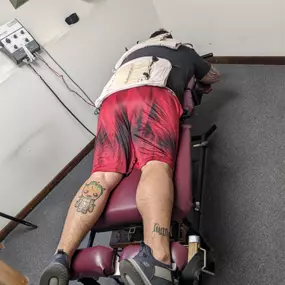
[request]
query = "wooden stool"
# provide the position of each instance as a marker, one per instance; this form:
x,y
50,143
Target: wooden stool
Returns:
x,y
9,276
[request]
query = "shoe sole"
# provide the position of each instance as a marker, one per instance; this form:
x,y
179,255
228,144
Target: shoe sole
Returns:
x,y
132,274
55,274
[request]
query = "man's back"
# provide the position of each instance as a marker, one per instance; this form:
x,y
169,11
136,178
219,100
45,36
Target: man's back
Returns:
x,y
186,63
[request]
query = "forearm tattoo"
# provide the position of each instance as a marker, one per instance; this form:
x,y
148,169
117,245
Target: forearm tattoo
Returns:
x,y
160,230
212,76
91,192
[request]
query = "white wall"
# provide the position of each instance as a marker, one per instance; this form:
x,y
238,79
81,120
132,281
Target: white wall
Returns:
x,y
38,137
44,21
227,27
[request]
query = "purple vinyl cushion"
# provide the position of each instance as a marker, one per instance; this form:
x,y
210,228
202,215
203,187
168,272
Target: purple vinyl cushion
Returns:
x,y
188,103
179,254
93,262
121,210
99,261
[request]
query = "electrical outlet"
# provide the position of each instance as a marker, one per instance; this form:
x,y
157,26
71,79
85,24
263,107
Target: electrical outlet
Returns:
x,y
13,37
18,3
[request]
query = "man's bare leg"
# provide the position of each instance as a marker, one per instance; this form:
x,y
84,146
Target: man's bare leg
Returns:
x,y
86,208
155,202
84,211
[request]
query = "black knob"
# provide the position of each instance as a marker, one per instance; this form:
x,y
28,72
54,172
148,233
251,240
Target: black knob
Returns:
x,y
8,41
22,32
15,47
15,36
27,40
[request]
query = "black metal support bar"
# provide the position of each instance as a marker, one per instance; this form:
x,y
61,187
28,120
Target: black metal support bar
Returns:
x,y
201,172
200,187
18,221
91,238
210,132
88,281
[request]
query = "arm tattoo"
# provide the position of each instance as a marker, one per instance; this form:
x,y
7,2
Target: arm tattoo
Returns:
x,y
211,77
91,192
161,231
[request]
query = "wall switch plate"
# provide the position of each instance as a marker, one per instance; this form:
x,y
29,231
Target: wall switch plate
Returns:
x,y
13,37
18,3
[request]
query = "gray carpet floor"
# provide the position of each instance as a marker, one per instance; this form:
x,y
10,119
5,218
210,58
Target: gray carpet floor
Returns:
x,y
244,198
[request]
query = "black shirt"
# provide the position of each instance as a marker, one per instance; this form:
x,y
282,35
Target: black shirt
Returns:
x,y
186,63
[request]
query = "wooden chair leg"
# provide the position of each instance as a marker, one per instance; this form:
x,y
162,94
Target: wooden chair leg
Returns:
x,y
194,246
9,276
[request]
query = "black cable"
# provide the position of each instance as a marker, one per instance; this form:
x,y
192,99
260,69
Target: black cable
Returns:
x,y
64,81
18,221
67,75
53,92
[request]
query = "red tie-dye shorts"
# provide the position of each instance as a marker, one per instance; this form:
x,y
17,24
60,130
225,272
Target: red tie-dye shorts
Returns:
x,y
136,126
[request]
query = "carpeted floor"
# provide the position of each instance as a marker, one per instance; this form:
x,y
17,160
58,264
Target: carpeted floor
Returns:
x,y
243,205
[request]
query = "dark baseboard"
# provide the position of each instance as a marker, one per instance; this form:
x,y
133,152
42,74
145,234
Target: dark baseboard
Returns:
x,y
72,164
262,60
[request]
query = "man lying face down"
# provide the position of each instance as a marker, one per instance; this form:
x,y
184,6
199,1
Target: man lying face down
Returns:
x,y
138,127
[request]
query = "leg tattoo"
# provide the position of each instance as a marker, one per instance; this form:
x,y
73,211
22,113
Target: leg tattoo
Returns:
x,y
91,192
161,231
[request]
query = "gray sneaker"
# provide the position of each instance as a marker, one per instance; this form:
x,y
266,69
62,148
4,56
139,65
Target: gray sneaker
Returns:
x,y
57,272
144,269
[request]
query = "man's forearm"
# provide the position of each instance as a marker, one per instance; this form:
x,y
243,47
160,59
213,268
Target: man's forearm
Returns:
x,y
211,77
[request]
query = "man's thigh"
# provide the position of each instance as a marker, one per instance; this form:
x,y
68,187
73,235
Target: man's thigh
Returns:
x,y
155,128
113,146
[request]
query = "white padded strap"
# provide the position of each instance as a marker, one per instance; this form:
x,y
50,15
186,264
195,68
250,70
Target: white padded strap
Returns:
x,y
144,71
160,40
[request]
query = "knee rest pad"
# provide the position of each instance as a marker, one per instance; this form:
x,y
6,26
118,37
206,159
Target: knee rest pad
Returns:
x,y
100,261
93,262
179,254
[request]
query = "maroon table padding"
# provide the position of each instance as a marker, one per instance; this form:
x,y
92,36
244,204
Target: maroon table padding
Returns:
x,y
93,262
121,210
179,254
188,103
99,261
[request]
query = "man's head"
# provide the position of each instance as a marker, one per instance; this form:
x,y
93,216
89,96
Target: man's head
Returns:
x,y
161,32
